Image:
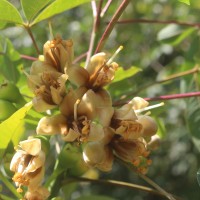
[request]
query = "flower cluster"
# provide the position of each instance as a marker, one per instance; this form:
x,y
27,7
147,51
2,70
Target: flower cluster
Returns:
x,y
86,114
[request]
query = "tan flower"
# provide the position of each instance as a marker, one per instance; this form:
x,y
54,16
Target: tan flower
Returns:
x,y
28,164
47,84
59,54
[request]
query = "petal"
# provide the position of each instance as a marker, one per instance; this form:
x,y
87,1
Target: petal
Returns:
x,y
126,112
52,125
78,75
16,160
39,67
139,103
71,135
40,105
149,125
96,62
67,105
37,162
96,132
31,146
35,178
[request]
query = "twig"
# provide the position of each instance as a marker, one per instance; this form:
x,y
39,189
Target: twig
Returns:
x,y
127,21
148,180
111,25
77,59
195,70
174,96
27,27
96,24
113,182
104,10
28,57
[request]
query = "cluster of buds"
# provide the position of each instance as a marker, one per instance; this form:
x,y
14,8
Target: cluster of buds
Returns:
x,y
86,113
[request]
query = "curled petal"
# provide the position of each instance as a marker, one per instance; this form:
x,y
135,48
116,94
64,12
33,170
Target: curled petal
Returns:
x,y
41,105
96,62
129,129
52,125
96,132
71,135
129,150
98,155
37,162
139,103
86,107
149,125
35,178
39,67
126,112
16,160
78,75
154,143
31,146
67,105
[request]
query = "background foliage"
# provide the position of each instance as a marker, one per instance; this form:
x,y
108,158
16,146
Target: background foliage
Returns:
x,y
164,43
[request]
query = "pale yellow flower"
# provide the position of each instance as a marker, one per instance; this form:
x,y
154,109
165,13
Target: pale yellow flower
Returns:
x,y
28,164
59,53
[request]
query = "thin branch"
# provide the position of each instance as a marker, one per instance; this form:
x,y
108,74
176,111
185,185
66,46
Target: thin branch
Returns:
x,y
128,21
148,180
28,29
105,9
111,25
77,59
174,96
113,182
28,57
195,70
95,28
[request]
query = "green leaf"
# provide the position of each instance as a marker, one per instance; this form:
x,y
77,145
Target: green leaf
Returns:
x,y
122,74
169,31
32,8
10,127
193,119
57,7
185,1
9,13
174,34
96,197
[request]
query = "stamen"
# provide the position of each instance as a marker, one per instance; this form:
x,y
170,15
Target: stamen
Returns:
x,y
149,107
75,109
114,55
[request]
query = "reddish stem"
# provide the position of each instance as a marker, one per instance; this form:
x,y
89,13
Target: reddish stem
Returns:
x,y
127,21
111,25
28,57
174,96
